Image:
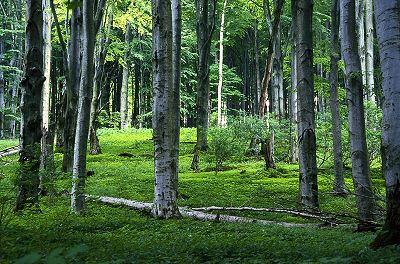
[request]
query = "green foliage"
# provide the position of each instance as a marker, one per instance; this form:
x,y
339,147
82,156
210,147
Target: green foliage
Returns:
x,y
223,145
109,120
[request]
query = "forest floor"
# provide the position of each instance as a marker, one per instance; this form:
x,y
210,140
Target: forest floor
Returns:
x,y
115,234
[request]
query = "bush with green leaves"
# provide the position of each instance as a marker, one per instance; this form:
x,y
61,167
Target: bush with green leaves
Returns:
x,y
109,120
223,145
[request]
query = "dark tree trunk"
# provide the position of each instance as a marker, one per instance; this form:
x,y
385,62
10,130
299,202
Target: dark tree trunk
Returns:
x,y
136,93
308,185
205,13
32,85
338,186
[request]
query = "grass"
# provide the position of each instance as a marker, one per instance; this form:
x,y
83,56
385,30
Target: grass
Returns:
x,y
106,234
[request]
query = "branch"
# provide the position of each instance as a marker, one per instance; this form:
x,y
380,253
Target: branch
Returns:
x,y
9,151
99,15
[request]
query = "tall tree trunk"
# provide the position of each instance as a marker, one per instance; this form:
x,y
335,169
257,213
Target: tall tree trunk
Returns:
x,y
2,81
205,13
125,78
338,186
31,132
166,61
74,71
387,17
136,94
221,63
97,85
308,185
257,68
294,150
369,50
85,94
47,158
360,14
353,75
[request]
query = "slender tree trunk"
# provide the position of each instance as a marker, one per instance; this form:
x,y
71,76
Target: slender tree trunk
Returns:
x,y
360,14
257,68
221,62
308,185
97,85
85,94
369,50
47,158
2,81
166,48
125,78
294,150
387,17
353,75
32,85
338,186
136,93
205,13
74,71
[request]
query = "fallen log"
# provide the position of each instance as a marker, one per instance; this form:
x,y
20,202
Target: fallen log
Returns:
x,y
9,151
197,215
272,210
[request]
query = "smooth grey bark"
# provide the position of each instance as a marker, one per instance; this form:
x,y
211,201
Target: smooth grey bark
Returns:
x,y
387,17
97,84
31,120
125,78
220,65
74,71
360,14
166,37
294,150
277,74
369,50
308,185
338,185
353,80
205,14
85,97
47,158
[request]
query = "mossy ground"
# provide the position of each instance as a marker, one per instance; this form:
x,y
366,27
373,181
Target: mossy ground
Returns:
x,y
106,234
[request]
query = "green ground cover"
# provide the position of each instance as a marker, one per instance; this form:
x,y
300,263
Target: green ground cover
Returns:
x,y
107,234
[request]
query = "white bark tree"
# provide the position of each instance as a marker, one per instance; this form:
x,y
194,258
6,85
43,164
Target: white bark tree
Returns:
x,y
220,65
166,80
85,97
369,50
387,16
125,78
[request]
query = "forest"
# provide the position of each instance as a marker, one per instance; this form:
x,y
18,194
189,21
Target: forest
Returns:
x,y
204,131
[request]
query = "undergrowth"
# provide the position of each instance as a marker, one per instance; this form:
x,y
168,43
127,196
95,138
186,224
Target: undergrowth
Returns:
x,y
106,234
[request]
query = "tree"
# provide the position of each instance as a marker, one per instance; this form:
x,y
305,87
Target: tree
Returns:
x,y
205,14
338,186
166,61
354,85
32,85
220,64
369,50
85,97
308,185
387,15
125,78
